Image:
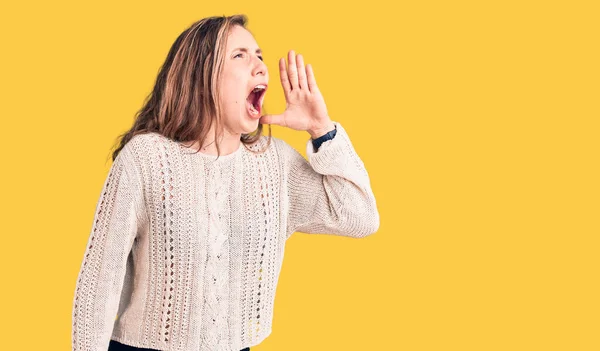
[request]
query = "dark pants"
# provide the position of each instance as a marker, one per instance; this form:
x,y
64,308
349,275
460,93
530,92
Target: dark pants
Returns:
x,y
117,346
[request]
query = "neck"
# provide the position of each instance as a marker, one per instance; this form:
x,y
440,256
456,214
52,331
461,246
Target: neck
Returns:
x,y
228,143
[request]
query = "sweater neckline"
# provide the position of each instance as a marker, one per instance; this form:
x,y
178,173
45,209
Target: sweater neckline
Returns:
x,y
210,157
193,153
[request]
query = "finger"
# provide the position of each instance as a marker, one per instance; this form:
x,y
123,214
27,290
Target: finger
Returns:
x,y
284,77
301,72
292,70
273,119
310,77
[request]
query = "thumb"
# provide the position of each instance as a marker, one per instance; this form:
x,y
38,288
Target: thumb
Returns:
x,y
272,119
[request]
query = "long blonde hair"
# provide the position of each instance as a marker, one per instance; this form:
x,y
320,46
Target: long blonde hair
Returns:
x,y
184,102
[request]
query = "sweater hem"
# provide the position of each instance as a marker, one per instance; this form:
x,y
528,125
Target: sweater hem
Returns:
x,y
124,340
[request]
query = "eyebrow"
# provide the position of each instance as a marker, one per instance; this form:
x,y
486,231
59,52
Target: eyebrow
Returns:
x,y
258,51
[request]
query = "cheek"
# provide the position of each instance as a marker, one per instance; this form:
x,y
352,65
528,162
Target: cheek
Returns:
x,y
230,93
232,88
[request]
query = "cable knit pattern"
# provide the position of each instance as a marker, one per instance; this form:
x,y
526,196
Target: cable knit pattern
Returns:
x,y
217,269
186,249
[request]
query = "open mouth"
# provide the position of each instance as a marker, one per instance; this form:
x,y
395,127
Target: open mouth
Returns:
x,y
255,99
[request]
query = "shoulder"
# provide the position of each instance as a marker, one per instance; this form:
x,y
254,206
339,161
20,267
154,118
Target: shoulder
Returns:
x,y
148,141
147,146
140,152
288,155
277,145
274,146
277,150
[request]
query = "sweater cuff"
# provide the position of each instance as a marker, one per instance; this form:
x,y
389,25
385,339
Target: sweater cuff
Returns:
x,y
314,145
334,154
320,140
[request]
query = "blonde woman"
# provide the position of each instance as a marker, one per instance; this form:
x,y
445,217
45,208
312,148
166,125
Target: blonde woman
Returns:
x,y
189,232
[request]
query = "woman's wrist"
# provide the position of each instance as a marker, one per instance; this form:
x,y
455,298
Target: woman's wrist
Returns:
x,y
325,137
317,133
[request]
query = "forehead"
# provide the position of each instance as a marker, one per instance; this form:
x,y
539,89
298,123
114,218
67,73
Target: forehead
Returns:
x,y
241,37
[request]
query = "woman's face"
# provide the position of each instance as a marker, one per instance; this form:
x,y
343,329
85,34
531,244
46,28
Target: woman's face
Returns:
x,y
243,70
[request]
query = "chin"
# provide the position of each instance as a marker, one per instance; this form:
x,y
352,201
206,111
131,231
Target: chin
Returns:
x,y
249,126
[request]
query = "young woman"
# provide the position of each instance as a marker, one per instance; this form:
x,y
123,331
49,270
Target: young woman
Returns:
x,y
189,232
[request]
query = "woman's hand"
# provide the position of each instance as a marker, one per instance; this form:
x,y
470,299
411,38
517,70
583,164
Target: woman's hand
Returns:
x,y
305,107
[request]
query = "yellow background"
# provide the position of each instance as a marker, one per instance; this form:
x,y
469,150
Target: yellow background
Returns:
x,y
477,121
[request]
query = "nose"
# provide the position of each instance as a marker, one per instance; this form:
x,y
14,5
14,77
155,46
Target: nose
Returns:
x,y
260,67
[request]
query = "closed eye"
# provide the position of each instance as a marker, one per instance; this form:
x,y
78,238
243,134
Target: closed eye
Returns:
x,y
260,57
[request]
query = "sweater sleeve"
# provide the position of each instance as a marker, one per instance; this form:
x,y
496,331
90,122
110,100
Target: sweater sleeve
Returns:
x,y
116,221
331,192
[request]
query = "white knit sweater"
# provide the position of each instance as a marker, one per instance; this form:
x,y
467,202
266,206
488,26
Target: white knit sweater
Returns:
x,y
186,251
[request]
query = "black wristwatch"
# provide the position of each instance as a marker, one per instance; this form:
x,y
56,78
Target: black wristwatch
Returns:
x,y
320,140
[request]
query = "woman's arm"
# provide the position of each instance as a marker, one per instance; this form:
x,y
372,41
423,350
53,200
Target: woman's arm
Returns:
x,y
119,213
330,193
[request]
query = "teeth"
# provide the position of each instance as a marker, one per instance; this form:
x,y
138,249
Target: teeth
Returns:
x,y
253,111
256,90
259,87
